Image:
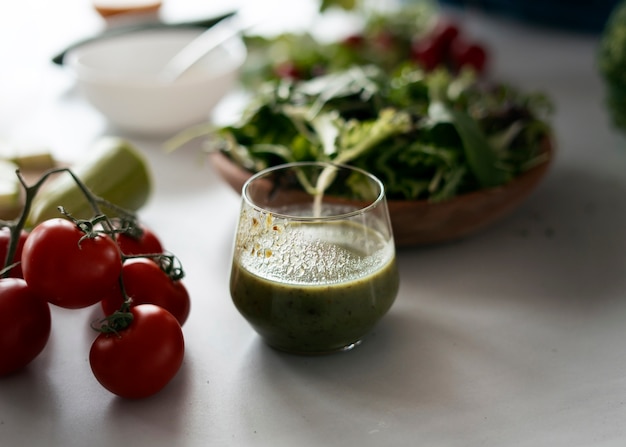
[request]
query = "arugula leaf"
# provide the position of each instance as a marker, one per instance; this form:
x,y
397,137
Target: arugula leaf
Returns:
x,y
481,159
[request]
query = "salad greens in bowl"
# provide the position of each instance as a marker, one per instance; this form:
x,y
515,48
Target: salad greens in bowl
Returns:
x,y
407,97
454,153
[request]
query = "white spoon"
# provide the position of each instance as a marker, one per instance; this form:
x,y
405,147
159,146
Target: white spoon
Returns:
x,y
210,39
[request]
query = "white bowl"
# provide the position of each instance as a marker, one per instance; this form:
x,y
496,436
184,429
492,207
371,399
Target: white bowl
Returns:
x,y
118,76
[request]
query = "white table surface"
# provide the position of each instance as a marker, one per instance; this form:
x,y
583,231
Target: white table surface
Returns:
x,y
513,337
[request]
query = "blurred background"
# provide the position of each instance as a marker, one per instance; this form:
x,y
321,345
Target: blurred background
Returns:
x,y
575,15
34,31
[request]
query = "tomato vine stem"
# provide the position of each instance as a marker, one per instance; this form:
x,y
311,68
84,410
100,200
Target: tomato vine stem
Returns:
x,y
96,203
116,322
124,221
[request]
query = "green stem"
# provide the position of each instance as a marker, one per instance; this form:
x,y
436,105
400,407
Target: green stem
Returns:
x,y
17,225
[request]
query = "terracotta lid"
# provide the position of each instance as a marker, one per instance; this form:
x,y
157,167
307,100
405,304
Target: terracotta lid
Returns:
x,y
107,8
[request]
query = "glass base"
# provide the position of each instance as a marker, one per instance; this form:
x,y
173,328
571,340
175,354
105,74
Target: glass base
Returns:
x,y
345,348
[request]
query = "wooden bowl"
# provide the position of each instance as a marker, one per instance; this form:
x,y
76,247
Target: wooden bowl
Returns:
x,y
419,222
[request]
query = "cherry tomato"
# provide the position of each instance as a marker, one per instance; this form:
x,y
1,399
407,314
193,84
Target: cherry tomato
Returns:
x,y
141,359
146,283
432,50
147,243
444,33
67,271
5,240
427,53
24,325
466,54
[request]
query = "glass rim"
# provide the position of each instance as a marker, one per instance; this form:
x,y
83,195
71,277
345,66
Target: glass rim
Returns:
x,y
380,197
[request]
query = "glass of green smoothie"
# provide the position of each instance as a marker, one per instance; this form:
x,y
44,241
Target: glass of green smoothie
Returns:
x,y
314,266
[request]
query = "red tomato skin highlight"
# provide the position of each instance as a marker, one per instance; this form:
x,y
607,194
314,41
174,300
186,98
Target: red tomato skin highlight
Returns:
x,y
146,283
24,325
142,359
67,273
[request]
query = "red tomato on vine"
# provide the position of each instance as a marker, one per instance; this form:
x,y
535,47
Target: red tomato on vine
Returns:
x,y
24,325
146,283
5,240
69,268
139,360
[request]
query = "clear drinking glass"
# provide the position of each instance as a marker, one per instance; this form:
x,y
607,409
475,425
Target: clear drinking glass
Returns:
x,y
314,265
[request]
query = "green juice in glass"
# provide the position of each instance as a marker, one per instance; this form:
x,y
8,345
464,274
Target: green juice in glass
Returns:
x,y
313,287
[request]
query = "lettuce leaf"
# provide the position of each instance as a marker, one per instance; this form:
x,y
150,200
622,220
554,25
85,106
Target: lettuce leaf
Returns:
x,y
425,135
